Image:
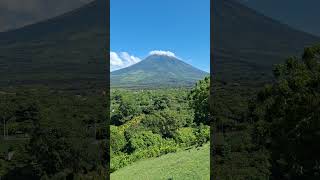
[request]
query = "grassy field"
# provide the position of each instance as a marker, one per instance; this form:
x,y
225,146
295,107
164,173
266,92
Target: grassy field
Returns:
x,y
184,165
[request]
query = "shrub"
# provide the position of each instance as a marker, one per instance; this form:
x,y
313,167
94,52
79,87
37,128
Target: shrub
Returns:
x,y
119,161
203,134
157,149
117,140
166,146
143,140
186,137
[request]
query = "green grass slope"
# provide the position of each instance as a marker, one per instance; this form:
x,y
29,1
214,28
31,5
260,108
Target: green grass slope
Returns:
x,y
184,165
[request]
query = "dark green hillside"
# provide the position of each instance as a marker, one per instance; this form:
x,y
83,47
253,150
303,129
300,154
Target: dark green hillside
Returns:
x,y
66,51
157,70
247,44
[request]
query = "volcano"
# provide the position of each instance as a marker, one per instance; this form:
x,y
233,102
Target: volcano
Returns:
x,y
157,71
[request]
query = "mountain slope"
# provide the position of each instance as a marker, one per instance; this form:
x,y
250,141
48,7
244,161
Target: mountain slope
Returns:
x,y
66,52
247,44
16,13
157,70
304,20
193,164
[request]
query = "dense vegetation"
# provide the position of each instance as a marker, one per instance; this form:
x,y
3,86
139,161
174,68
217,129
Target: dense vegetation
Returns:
x,y
270,133
52,135
151,123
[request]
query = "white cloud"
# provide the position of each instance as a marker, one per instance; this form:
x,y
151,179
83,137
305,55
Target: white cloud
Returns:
x,y
115,60
122,60
130,59
163,53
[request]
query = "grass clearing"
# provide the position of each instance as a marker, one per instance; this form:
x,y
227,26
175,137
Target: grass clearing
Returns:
x,y
183,165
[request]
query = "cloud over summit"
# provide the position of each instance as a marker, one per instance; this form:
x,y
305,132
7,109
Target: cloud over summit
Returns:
x,y
162,53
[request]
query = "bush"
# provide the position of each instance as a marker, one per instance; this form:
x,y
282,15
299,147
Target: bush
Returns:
x,y
117,140
203,134
119,161
186,137
143,144
166,146
143,140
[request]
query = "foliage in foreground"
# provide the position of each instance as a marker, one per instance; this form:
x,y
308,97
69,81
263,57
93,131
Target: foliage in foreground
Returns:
x,y
286,118
151,123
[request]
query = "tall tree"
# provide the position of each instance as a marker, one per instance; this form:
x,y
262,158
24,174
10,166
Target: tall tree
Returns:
x,y
199,97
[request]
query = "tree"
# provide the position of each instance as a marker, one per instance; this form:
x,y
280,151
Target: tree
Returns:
x,y
199,101
53,151
7,112
165,122
127,109
117,139
286,117
160,103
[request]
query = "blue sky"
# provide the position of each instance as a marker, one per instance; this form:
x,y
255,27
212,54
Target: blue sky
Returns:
x,y
138,27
